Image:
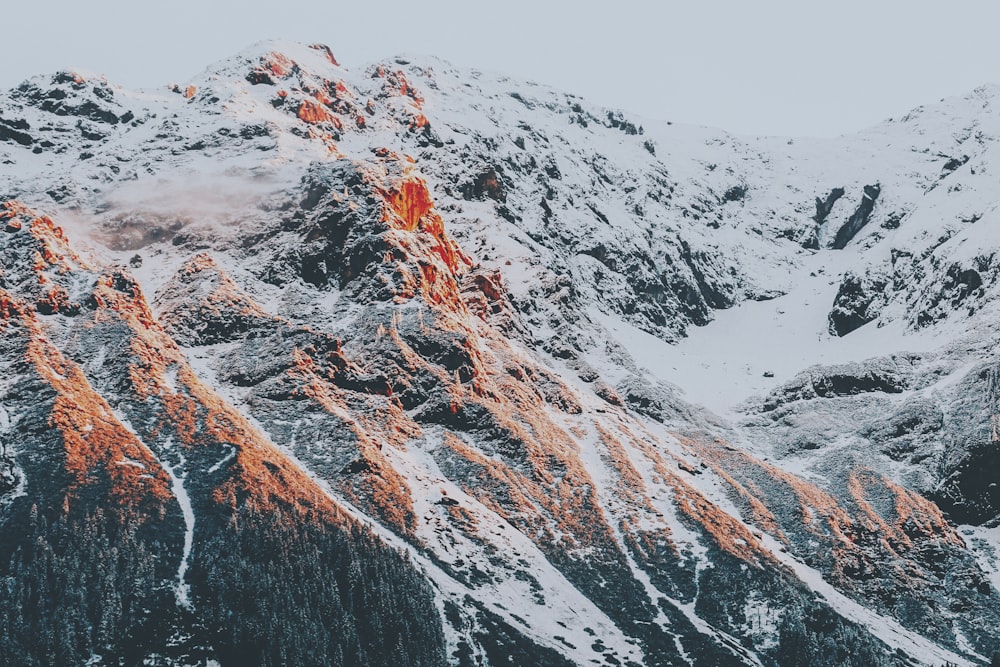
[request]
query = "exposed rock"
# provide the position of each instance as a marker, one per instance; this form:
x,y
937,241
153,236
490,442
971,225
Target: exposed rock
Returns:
x,y
825,206
958,289
14,130
889,375
952,164
857,302
970,494
489,183
859,218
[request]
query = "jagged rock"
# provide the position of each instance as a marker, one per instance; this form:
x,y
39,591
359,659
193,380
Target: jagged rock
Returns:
x,y
858,219
970,494
489,183
14,130
9,478
825,206
953,163
959,288
889,375
856,303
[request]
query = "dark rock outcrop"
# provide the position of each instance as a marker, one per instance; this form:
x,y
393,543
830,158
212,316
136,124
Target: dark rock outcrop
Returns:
x,y
825,206
970,494
859,218
857,303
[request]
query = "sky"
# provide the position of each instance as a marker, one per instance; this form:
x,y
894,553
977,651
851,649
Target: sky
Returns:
x,y
796,68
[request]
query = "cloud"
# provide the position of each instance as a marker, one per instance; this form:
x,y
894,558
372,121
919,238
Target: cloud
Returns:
x,y
165,209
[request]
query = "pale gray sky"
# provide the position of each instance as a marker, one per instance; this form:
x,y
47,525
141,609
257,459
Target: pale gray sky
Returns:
x,y
797,67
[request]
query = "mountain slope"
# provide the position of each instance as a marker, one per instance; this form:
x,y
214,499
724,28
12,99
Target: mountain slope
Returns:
x,y
464,353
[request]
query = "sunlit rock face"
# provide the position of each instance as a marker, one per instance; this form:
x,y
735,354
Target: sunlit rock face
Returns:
x,y
409,365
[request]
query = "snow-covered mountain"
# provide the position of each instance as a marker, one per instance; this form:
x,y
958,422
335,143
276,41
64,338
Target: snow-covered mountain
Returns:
x,y
410,365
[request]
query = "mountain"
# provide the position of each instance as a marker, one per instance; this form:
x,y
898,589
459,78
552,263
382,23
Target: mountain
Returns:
x,y
412,365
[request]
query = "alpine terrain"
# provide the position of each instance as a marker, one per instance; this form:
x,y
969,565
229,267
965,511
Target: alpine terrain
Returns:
x,y
408,365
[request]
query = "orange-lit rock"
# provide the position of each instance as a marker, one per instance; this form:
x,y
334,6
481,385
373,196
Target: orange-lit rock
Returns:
x,y
118,292
421,240
53,248
375,484
56,300
411,201
491,285
190,92
185,409
327,139
279,64
322,97
914,515
396,84
874,526
751,494
313,112
13,225
326,51
94,442
406,89
272,66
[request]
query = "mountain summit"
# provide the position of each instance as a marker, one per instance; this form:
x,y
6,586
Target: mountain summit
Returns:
x,y
413,365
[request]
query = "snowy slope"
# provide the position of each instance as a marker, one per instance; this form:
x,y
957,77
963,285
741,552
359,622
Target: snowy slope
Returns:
x,y
623,390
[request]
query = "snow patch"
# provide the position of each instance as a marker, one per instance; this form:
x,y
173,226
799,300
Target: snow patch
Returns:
x,y
177,486
182,589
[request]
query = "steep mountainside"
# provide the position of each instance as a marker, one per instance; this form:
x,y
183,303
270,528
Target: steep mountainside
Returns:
x,y
418,366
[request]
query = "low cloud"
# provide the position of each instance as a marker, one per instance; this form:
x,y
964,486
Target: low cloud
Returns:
x,y
156,210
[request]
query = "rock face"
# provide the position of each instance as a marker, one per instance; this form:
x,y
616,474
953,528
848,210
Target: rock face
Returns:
x,y
858,219
969,492
373,387
857,303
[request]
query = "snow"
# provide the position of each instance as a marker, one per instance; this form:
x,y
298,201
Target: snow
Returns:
x,y
924,651
762,622
96,362
566,611
887,629
170,378
986,547
684,538
177,478
177,486
8,445
723,364
223,461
